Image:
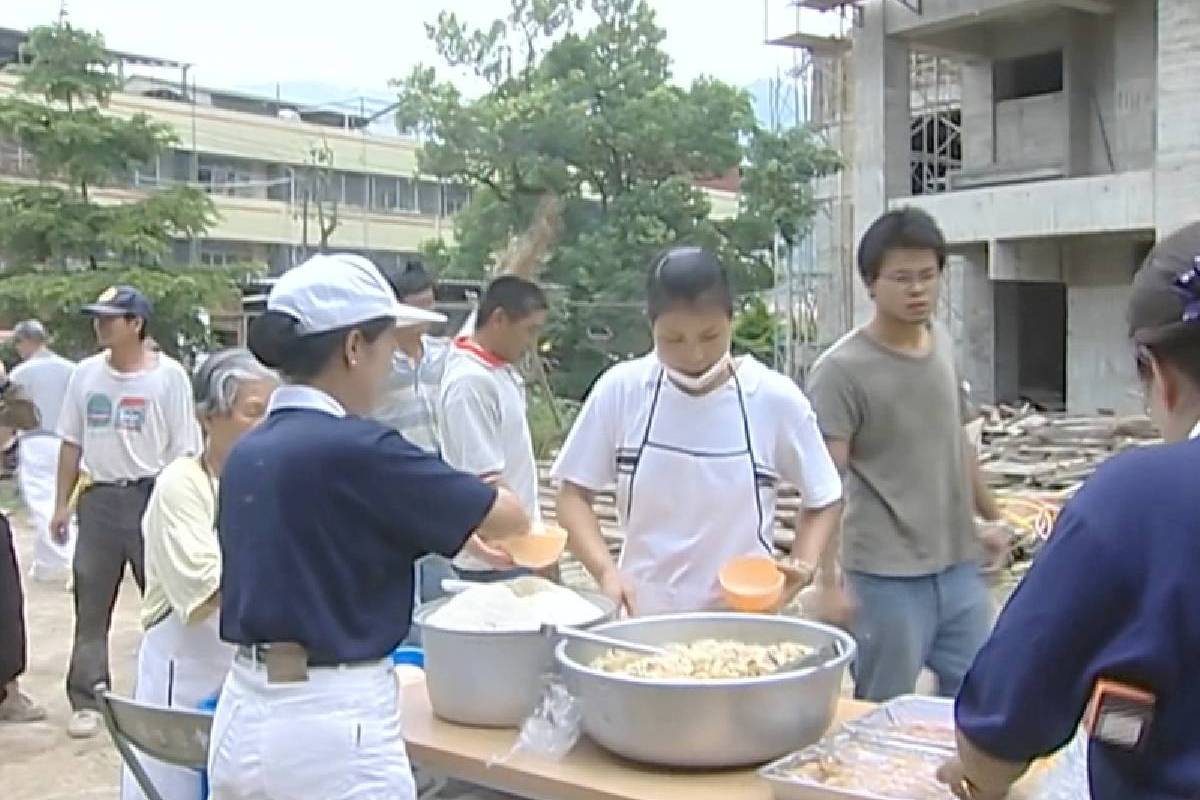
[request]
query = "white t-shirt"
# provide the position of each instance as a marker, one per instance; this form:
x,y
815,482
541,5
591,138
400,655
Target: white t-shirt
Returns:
x,y
129,425
44,377
483,427
693,476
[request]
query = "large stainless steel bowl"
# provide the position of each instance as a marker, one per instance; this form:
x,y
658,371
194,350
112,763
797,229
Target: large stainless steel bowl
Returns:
x,y
489,679
707,724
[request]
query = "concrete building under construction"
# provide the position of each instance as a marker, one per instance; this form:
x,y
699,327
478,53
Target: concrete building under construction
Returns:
x,y
1054,141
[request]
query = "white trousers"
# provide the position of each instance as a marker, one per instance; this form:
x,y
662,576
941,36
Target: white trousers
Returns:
x,y
335,736
178,665
37,475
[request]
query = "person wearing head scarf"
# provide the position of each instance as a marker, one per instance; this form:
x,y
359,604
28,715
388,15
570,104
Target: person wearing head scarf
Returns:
x,y
1105,628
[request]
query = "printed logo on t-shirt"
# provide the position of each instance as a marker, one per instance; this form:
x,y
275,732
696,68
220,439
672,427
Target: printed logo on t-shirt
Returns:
x,y
131,414
99,411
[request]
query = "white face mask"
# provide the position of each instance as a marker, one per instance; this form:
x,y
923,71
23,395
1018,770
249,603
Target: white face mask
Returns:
x,y
699,384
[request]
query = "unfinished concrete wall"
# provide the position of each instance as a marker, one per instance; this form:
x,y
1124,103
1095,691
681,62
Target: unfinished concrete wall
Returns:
x,y
1026,260
881,107
1177,162
1031,131
1134,69
978,115
1100,365
967,310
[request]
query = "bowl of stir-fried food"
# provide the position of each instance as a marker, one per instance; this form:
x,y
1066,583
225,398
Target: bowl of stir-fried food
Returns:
x,y
721,695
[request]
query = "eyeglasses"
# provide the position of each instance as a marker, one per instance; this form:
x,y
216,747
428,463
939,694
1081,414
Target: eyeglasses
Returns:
x,y
912,279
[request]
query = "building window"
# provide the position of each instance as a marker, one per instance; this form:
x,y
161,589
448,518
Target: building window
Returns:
x,y
1029,76
355,192
226,179
429,198
454,197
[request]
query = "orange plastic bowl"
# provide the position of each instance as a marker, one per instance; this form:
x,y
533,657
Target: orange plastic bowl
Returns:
x,y
538,549
751,583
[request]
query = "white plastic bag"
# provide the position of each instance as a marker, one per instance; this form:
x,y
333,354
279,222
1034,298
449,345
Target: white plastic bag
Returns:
x,y
554,726
1067,777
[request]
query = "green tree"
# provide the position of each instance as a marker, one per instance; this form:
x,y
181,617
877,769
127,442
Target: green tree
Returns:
x,y
50,227
755,329
589,113
58,116
55,298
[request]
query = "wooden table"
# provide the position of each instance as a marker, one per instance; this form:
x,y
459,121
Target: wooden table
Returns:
x,y
586,773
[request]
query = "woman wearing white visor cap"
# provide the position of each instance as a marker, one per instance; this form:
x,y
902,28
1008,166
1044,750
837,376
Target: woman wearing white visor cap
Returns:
x,y
323,513
696,443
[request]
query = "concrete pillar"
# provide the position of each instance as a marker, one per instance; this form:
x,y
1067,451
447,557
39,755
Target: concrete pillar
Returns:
x,y
1100,363
1134,67
882,119
978,114
972,319
1177,162
1079,73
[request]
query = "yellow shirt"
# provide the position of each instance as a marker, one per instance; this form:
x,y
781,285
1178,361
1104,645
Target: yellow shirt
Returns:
x,y
183,556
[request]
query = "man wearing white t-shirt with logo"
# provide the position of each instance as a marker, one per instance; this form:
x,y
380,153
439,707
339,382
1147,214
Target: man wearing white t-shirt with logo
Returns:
x,y
128,412
482,419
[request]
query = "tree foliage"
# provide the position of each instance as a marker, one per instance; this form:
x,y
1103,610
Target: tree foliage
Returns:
x,y
56,299
58,115
47,227
580,103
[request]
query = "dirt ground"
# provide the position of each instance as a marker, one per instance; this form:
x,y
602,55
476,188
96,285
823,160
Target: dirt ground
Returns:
x,y
39,761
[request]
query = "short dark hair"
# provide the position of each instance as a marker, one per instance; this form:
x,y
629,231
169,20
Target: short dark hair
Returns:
x,y
408,280
689,276
276,341
902,229
142,332
517,297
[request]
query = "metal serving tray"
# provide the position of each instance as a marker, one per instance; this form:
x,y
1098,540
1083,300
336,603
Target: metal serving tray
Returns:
x,y
911,719
871,768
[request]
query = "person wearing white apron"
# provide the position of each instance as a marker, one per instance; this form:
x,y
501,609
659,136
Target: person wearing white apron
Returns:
x,y
182,661
323,513
43,375
697,444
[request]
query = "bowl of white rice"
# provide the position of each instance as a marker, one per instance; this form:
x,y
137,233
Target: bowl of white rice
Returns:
x,y
485,654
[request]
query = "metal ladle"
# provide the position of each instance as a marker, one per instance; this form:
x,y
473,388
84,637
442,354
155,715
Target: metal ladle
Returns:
x,y
604,641
817,658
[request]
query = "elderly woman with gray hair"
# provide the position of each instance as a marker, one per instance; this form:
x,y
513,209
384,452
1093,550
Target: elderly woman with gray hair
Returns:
x,y
183,660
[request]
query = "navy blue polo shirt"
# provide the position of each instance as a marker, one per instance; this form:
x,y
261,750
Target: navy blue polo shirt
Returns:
x,y
1115,594
321,519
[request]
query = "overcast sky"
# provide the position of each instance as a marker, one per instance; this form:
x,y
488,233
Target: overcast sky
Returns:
x,y
360,44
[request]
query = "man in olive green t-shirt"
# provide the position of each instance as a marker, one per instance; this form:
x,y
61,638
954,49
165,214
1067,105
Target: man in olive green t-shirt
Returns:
x,y
888,402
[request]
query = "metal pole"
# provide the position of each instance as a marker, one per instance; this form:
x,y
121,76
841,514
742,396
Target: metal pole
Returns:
x,y
194,249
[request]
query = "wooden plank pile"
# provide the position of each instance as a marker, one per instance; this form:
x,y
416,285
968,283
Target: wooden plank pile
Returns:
x,y
1034,461
1053,453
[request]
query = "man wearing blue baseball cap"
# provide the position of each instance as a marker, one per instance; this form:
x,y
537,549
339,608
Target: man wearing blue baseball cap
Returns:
x,y
127,413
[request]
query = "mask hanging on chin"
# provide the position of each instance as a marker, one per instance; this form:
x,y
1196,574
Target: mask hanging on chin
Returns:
x,y
713,377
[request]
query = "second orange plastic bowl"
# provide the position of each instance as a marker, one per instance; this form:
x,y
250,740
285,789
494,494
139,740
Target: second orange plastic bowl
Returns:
x,y
751,583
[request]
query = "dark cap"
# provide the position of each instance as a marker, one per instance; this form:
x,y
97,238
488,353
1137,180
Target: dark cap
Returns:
x,y
1164,307
120,301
